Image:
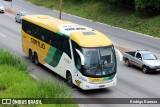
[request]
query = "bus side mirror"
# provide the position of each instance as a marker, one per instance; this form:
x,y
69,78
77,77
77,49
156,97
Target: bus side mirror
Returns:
x,y
81,56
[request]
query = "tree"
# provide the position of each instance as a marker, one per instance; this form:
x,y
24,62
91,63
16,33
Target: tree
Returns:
x,y
147,5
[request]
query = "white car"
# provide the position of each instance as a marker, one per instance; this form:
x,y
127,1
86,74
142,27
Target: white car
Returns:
x,y
2,8
19,16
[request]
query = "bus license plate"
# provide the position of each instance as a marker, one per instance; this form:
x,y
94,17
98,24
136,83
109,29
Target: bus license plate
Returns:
x,y
101,86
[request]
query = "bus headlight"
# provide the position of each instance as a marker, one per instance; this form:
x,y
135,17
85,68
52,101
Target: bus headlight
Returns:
x,y
83,78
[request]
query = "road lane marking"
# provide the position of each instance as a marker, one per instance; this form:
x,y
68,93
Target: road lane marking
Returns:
x,y
120,54
2,35
80,105
34,77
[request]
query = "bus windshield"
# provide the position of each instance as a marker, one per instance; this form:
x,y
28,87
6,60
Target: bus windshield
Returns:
x,y
99,62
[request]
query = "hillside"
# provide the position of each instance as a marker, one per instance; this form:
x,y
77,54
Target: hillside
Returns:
x,y
103,12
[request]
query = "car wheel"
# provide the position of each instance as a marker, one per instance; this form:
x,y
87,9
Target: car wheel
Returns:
x,y
19,21
16,19
145,69
127,63
69,79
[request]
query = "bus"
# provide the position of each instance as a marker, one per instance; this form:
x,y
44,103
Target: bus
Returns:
x,y
84,57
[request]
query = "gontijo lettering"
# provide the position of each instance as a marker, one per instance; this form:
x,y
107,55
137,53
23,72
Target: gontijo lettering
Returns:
x,y
38,43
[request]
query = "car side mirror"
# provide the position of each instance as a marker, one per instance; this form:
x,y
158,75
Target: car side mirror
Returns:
x,y
140,59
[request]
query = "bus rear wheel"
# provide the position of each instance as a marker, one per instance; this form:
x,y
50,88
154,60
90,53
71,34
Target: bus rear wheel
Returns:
x,y
36,61
69,79
30,56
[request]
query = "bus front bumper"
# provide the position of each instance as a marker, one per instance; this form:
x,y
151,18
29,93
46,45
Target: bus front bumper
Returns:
x,y
90,86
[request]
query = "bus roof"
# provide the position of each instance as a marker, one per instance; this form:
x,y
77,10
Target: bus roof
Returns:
x,y
82,35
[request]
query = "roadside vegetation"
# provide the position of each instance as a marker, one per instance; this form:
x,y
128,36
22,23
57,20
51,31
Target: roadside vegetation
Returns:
x,y
127,16
15,82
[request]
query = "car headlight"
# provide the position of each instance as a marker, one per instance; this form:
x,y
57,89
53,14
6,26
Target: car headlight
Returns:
x,y
2,8
21,17
157,67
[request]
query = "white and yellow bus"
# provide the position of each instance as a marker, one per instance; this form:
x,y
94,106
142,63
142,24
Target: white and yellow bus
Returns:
x,y
83,56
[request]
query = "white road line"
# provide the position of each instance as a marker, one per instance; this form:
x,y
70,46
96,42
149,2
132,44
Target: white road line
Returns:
x,y
2,35
34,77
120,54
80,105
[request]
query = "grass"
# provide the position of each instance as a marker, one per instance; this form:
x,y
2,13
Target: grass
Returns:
x,y
7,58
15,82
103,12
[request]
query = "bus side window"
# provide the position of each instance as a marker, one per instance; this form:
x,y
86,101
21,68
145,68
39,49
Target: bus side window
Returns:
x,y
24,25
36,32
66,47
41,34
42,37
49,37
54,39
29,28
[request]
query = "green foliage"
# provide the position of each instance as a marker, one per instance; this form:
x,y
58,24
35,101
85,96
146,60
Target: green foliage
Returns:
x,y
15,82
106,13
125,3
147,5
8,58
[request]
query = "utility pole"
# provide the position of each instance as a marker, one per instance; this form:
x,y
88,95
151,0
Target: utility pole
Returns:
x,y
60,12
11,3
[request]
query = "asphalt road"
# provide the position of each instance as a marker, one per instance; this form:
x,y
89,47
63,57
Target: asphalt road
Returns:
x,y
132,83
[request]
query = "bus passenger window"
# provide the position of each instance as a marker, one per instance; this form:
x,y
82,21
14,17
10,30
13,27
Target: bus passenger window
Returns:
x,y
42,38
50,42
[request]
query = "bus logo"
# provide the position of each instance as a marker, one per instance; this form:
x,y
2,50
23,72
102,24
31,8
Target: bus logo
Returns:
x,y
38,43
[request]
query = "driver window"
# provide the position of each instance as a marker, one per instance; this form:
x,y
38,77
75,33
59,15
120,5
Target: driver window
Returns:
x,y
138,56
78,63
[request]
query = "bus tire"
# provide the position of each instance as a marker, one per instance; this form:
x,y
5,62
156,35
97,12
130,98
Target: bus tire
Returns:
x,y
36,61
127,63
30,55
69,79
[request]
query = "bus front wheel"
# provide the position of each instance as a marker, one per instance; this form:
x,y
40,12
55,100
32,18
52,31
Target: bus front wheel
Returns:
x,y
69,79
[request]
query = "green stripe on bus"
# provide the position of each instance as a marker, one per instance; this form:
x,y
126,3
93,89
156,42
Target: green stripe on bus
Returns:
x,y
50,55
53,57
108,78
56,58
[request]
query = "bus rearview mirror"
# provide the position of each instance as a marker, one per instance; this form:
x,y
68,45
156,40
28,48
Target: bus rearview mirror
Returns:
x,y
81,56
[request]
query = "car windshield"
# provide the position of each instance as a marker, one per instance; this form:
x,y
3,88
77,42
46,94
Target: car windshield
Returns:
x,y
1,5
149,56
99,61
